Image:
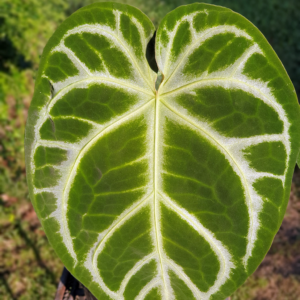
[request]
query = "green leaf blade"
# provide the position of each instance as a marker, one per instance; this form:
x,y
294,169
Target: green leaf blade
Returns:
x,y
221,84
168,194
91,66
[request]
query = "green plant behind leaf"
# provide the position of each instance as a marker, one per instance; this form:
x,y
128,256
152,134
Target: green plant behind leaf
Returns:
x,y
168,194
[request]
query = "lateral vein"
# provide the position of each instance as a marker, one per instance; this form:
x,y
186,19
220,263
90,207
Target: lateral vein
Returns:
x,y
76,163
121,43
228,154
133,210
202,36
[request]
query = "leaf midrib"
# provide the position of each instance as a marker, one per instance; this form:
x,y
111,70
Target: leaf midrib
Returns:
x,y
155,184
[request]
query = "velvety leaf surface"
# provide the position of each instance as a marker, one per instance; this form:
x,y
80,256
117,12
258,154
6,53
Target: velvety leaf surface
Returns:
x,y
168,194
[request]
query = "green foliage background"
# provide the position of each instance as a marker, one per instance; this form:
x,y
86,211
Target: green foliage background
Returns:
x,y
29,268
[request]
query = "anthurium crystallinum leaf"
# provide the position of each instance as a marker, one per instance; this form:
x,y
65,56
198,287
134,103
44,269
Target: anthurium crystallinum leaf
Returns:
x,y
174,193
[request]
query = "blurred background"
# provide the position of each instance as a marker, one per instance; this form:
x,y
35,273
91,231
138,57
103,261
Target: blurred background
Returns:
x,y
29,268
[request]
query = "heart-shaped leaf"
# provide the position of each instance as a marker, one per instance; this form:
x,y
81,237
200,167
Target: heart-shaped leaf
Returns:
x,y
168,194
